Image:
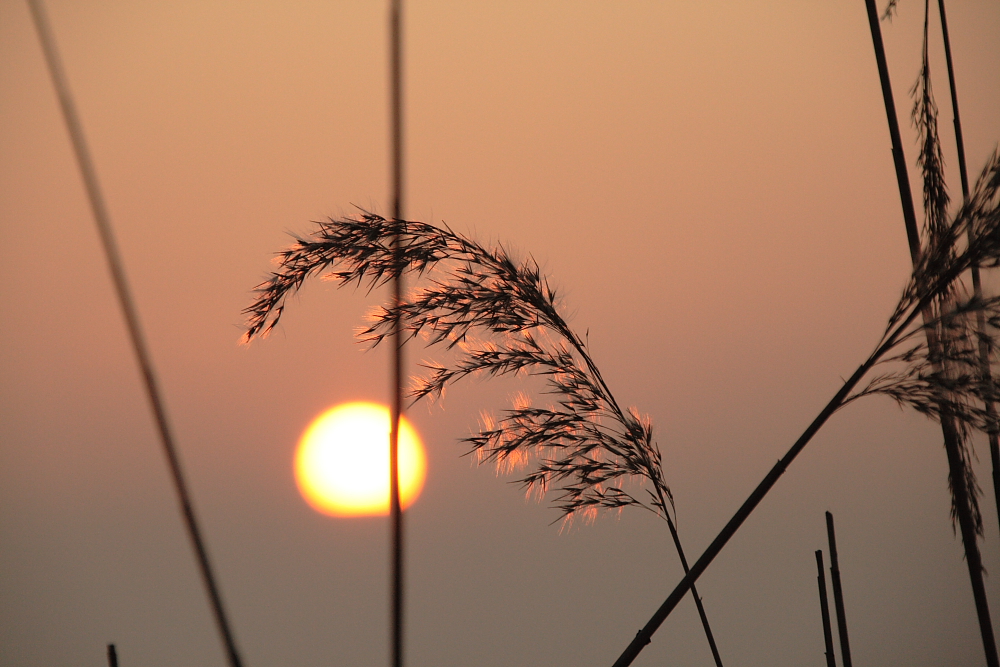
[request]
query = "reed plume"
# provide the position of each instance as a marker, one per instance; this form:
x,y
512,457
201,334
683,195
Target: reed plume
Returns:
x,y
498,316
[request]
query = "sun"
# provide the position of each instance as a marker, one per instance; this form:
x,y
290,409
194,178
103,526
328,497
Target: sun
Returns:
x,y
342,461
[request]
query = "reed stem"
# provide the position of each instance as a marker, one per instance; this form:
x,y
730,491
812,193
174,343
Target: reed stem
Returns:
x,y
838,593
102,219
396,334
694,591
824,607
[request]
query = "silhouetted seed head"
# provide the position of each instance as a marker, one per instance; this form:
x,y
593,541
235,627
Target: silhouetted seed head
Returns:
x,y
498,316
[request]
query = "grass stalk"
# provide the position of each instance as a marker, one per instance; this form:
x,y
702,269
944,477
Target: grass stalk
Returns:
x,y
116,268
396,333
694,593
824,607
585,445
838,593
898,159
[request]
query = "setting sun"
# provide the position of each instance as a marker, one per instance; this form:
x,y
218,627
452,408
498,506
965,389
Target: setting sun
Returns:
x,y
342,461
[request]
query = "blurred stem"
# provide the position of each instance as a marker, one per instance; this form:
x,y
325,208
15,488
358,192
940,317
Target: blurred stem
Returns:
x,y
838,594
824,607
116,268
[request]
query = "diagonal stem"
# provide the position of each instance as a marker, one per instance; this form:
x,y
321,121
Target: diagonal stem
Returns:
x,y
131,314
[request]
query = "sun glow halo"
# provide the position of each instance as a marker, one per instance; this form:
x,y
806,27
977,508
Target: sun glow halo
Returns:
x,y
342,461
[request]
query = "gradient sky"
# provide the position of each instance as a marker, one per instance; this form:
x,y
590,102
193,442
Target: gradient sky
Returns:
x,y
709,185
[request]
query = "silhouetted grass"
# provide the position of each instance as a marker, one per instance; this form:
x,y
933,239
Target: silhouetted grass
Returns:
x,y
499,317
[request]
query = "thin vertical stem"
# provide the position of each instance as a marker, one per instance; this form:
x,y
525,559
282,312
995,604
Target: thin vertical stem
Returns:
x,y
838,594
112,656
952,438
396,511
824,607
103,221
977,284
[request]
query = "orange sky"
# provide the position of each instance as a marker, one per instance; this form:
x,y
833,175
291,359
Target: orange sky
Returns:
x,y
710,187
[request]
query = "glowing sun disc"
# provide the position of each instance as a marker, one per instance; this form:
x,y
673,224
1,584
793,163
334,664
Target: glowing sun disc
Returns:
x,y
342,461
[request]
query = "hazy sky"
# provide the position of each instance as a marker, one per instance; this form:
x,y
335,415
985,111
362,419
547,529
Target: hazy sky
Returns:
x,y
709,185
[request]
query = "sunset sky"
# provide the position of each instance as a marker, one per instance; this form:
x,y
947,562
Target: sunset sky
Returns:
x,y
708,185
